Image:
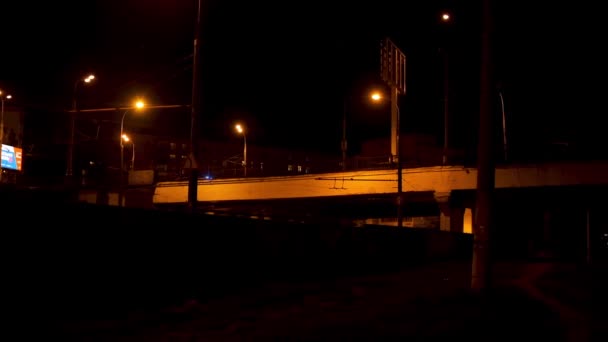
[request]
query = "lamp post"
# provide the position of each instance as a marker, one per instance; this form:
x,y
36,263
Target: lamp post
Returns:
x,y
377,97
445,107
343,144
126,138
504,124
241,130
445,18
138,105
3,97
73,114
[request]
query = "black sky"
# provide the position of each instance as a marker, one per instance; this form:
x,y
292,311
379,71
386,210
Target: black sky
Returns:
x,y
284,67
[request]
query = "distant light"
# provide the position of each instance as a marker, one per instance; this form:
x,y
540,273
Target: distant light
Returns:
x,y
376,96
125,137
208,177
89,78
139,104
9,97
445,17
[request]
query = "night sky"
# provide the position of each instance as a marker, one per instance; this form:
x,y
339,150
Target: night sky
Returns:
x,y
284,68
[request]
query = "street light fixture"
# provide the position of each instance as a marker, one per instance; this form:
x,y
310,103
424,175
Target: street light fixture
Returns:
x,y
75,109
3,97
139,104
375,97
239,128
126,138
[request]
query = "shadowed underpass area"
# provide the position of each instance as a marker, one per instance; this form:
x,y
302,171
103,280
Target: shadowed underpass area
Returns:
x,y
91,273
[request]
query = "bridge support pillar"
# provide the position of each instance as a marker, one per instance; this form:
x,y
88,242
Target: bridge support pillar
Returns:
x,y
452,214
457,219
445,210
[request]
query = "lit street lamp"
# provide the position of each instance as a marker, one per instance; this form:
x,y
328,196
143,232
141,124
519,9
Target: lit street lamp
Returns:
x,y
73,114
375,97
3,97
241,130
138,105
126,138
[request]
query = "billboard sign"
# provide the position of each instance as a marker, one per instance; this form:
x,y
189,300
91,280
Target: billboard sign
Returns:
x,y
11,157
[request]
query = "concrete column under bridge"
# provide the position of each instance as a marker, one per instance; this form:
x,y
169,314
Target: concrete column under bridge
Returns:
x,y
455,213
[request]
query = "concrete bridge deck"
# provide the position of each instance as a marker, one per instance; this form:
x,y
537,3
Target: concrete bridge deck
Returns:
x,y
439,180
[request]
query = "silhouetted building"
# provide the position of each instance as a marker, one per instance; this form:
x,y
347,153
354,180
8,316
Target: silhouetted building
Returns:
x,y
225,159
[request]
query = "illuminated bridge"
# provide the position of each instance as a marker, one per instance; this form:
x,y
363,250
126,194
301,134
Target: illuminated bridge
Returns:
x,y
443,196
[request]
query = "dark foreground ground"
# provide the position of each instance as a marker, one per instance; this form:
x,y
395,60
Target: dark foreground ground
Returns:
x,y
86,273
533,301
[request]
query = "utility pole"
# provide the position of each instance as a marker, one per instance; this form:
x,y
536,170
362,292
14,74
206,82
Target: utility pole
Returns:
x,y
483,221
195,114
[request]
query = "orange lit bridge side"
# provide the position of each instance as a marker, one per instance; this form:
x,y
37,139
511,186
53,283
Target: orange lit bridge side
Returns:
x,y
440,180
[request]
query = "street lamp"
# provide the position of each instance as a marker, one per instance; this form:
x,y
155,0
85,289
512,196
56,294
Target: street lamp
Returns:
x,y
3,97
446,18
239,128
126,138
139,104
375,97
70,159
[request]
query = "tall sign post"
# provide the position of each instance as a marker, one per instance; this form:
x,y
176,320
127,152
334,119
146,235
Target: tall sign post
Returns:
x,y
392,70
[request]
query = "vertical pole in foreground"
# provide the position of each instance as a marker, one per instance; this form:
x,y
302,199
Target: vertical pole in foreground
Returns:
x,y
194,114
482,225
